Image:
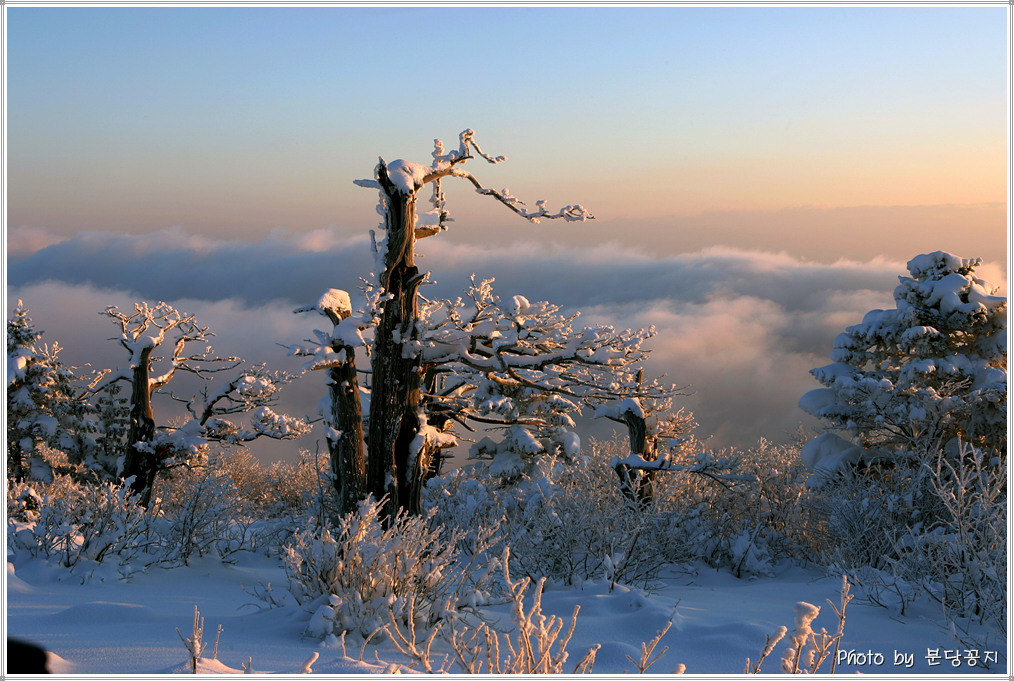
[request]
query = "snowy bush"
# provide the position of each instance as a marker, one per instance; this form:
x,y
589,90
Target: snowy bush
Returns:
x,y
566,522
746,523
233,504
571,522
219,509
281,490
354,574
196,512
866,514
959,558
75,523
935,531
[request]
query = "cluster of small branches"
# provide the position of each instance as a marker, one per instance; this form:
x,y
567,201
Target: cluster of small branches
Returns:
x,y
518,363
147,328
364,570
538,644
449,164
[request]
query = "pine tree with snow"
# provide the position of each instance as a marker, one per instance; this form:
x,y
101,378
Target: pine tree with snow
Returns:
x,y
110,424
915,380
41,408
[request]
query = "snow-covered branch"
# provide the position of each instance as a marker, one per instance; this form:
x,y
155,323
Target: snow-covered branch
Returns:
x,y
572,213
526,369
410,177
147,329
719,470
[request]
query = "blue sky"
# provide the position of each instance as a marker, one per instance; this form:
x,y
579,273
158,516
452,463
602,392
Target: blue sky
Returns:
x,y
143,118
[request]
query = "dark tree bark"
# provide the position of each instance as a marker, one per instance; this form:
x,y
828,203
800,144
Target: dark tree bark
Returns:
x,y
396,399
16,460
348,460
637,485
141,460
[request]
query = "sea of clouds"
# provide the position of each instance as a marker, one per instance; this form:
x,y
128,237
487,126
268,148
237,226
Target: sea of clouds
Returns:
x,y
740,328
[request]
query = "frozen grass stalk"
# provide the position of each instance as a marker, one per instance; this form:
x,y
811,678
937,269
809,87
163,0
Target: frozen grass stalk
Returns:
x,y
193,643
218,635
808,649
308,665
648,649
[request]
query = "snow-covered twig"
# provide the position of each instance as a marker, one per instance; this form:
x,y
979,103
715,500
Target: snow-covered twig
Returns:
x,y
193,642
706,465
648,649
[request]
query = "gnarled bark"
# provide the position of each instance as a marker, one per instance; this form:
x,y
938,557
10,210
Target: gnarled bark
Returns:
x,y
141,460
395,403
345,442
637,485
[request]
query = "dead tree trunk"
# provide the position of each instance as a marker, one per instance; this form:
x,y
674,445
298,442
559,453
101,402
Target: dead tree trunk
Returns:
x,y
345,439
637,485
401,443
141,460
396,400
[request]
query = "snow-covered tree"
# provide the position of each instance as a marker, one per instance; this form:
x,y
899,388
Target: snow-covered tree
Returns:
x,y
150,448
522,369
911,381
526,370
401,441
110,424
39,397
334,352
46,405
519,370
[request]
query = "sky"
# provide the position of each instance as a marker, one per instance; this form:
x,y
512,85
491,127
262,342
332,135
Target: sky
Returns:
x,y
759,175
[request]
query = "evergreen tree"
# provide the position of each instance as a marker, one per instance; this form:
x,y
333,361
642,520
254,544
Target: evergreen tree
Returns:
x,y
41,409
909,382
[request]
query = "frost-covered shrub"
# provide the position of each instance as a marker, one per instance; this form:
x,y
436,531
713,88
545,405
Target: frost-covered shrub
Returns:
x,y
357,574
575,524
571,522
195,513
283,490
867,512
937,531
959,557
567,522
759,516
201,511
236,503
71,522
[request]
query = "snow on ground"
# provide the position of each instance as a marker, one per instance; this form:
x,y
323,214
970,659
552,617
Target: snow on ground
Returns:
x,y
111,626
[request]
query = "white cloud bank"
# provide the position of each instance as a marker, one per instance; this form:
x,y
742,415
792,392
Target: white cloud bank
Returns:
x,y
741,328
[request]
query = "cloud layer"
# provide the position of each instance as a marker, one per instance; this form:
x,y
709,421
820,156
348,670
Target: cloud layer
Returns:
x,y
741,328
